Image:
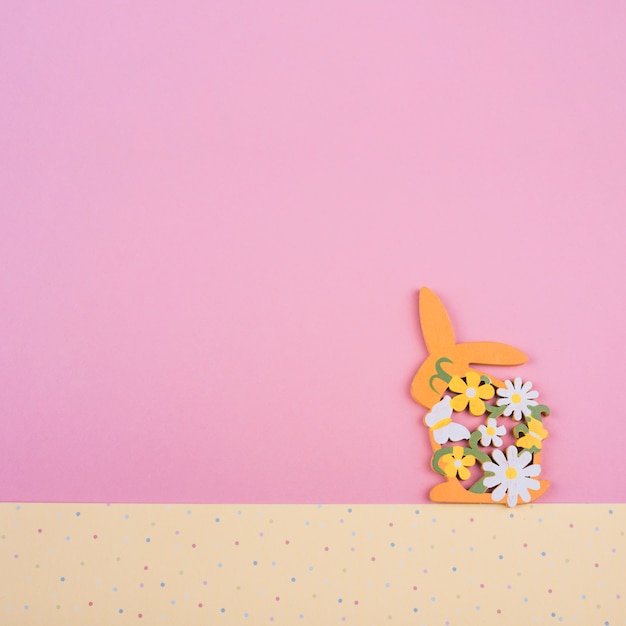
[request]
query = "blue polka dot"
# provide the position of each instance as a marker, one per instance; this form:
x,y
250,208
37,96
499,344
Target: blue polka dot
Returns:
x,y
77,513
189,512
62,579
349,510
273,563
339,600
162,584
255,562
301,616
121,611
217,519
293,580
478,608
245,615
222,610
500,557
417,511
454,569
26,607
172,601
147,539
552,614
414,610
67,538
543,554
393,545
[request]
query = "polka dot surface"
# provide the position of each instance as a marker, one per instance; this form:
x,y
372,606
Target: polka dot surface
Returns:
x,y
359,564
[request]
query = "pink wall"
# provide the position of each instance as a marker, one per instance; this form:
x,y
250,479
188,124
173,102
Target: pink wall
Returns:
x,y
214,220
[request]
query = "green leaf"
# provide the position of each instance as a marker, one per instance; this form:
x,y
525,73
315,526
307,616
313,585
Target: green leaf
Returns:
x,y
435,460
478,486
495,411
520,429
537,411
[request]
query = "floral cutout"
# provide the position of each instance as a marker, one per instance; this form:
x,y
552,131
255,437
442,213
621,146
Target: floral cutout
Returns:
x,y
456,463
511,476
473,390
491,414
517,398
491,433
439,420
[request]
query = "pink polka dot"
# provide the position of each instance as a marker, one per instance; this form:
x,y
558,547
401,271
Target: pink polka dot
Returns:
x,y
140,616
236,543
549,590
91,604
326,549
193,545
498,611
39,530
145,567
482,585
597,565
391,523
277,598
373,558
95,536
287,541
356,602
414,587
199,605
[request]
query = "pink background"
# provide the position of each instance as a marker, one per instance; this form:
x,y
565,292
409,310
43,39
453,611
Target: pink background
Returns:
x,y
215,219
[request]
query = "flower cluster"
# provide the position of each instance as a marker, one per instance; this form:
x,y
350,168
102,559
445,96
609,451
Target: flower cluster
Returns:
x,y
509,476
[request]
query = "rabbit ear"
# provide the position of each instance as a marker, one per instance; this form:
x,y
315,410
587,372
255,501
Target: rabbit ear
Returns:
x,y
490,353
436,326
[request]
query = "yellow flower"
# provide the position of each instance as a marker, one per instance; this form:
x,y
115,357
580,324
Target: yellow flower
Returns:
x,y
455,463
536,433
471,391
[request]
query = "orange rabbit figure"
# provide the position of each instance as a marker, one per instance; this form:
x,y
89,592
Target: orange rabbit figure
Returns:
x,y
447,385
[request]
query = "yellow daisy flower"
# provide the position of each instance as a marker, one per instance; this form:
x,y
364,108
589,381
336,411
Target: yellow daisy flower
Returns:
x,y
455,463
473,392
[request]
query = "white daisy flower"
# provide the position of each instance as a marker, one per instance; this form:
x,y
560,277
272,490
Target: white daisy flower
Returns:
x,y
517,397
512,475
491,433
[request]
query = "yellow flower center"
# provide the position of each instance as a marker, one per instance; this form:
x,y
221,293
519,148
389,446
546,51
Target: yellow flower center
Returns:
x,y
471,392
491,431
516,398
510,473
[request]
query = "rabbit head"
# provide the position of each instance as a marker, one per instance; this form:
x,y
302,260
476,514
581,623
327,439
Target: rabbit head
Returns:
x,y
446,358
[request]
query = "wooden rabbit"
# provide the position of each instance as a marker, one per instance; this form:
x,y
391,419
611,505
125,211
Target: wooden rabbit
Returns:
x,y
447,385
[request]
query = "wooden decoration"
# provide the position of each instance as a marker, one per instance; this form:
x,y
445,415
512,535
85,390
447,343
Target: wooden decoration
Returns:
x,y
449,386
